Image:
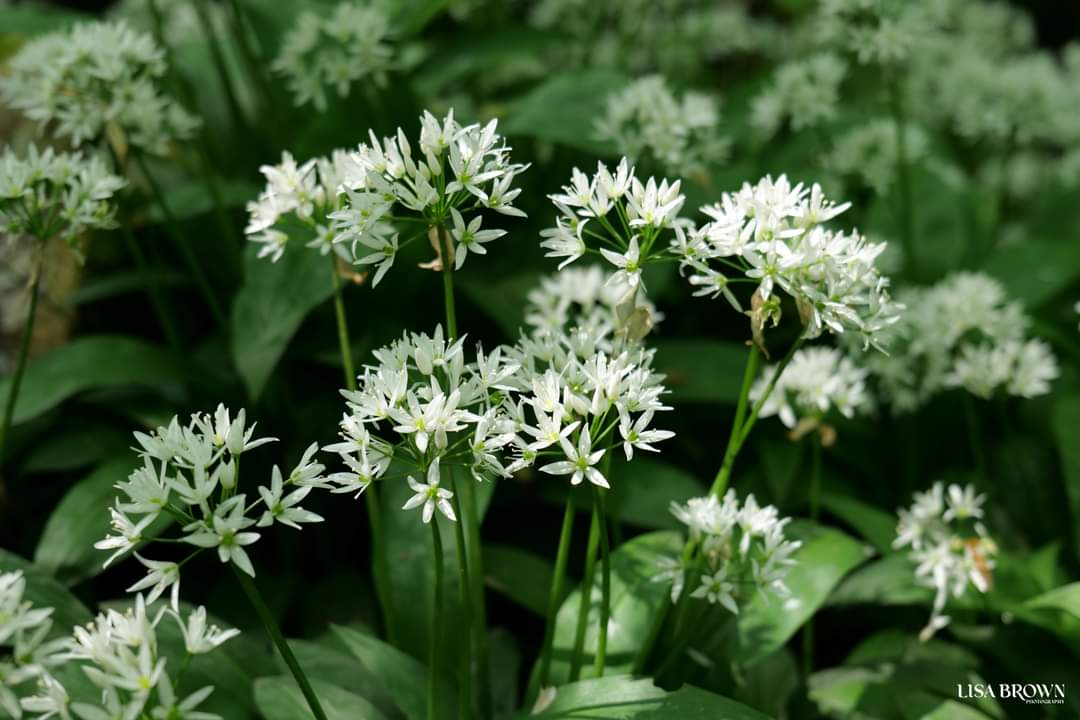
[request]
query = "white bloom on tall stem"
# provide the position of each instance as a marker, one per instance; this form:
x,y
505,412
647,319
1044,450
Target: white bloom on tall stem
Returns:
x,y
580,461
430,496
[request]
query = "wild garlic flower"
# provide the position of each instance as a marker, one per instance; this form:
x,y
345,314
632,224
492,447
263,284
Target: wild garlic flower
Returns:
x,y
582,296
335,49
190,473
962,332
775,234
649,124
815,382
868,152
743,548
458,172
27,654
96,81
119,652
804,93
616,216
949,545
423,406
47,194
299,199
877,32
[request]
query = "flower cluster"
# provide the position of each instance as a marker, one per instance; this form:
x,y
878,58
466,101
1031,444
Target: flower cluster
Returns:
x,y
117,652
191,474
949,545
962,332
459,170
627,216
817,380
650,125
94,81
24,630
298,199
868,152
804,93
877,32
336,49
583,298
775,233
47,194
743,548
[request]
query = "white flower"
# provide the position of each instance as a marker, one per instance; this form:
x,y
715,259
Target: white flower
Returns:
x,y
430,496
637,435
716,589
579,461
128,534
816,381
629,264
470,237
284,508
199,637
162,575
224,532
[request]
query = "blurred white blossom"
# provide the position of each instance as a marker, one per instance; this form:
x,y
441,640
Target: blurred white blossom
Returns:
x,y
816,381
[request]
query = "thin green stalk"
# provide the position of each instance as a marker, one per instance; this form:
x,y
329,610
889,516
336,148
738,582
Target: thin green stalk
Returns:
x,y
274,631
720,483
217,55
20,368
182,244
577,659
558,582
605,582
436,624
381,568
903,175
642,657
815,512
470,513
466,665
153,290
256,67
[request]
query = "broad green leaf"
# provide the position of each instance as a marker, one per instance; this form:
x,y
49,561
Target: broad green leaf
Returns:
x,y
635,600
89,363
42,590
878,527
522,576
193,198
1066,424
1065,598
279,698
466,54
505,664
335,666
404,678
701,371
645,489
888,580
625,698
410,16
70,448
66,548
1036,270
101,287
272,302
34,20
580,98
767,623
844,693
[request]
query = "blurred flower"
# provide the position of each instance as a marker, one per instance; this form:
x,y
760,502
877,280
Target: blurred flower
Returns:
x,y
817,380
338,49
98,80
805,93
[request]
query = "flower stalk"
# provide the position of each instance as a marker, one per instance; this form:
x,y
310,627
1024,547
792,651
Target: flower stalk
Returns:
x,y
600,510
577,659
436,624
20,368
558,583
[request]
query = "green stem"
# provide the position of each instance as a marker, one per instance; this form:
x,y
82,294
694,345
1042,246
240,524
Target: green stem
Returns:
x,y
466,664
642,657
274,631
153,290
605,582
217,55
558,583
436,624
903,175
256,67
815,512
342,326
585,603
470,513
20,367
182,244
720,483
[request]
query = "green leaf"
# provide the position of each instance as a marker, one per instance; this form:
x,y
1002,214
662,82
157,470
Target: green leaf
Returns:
x,y
580,98
701,371
335,666
767,623
89,363
193,198
645,490
878,527
66,548
1065,598
271,304
279,698
403,677
635,600
1036,270
35,20
42,590
410,16
1066,420
889,580
521,576
624,697
70,448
